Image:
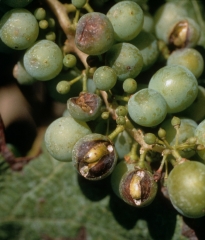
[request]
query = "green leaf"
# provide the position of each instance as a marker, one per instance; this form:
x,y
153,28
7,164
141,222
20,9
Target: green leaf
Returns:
x,y
48,198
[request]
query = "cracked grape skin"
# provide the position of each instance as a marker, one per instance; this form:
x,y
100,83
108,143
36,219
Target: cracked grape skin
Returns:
x,y
177,85
19,29
186,188
147,107
61,136
127,20
125,59
44,60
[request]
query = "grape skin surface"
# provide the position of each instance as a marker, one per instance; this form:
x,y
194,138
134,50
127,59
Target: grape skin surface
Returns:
x,y
94,33
186,188
125,59
44,60
199,133
61,136
18,29
189,58
147,44
147,107
105,78
196,110
177,85
127,20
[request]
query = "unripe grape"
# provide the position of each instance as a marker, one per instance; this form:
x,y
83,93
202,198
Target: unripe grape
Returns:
x,y
186,188
43,24
61,136
129,85
69,60
123,143
18,29
121,111
150,138
189,58
105,78
51,36
146,42
44,60
127,20
147,107
94,33
177,85
40,13
78,3
196,110
63,87
199,133
125,59
21,74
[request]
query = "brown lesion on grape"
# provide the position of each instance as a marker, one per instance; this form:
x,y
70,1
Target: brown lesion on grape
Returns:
x,y
137,187
86,101
178,37
95,158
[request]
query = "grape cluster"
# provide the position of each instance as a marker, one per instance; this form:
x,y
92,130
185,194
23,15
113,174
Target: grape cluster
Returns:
x,y
131,84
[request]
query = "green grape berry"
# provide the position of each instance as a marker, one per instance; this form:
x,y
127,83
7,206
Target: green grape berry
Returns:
x,y
51,36
125,59
147,107
121,111
177,85
43,24
21,74
63,87
186,188
78,3
129,85
105,78
189,58
18,29
127,20
120,120
44,60
69,60
196,111
40,13
94,33
150,138
146,42
199,133
61,136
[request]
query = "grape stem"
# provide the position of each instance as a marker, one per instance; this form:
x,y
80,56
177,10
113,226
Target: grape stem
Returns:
x,y
109,108
60,11
138,136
